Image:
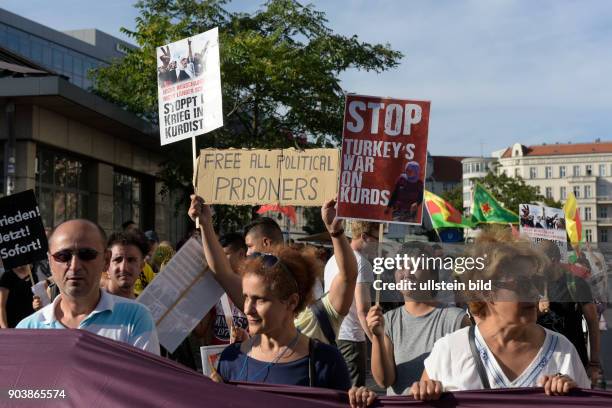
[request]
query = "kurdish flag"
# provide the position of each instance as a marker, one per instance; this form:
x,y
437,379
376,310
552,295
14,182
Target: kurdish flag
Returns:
x,y
573,225
442,214
487,210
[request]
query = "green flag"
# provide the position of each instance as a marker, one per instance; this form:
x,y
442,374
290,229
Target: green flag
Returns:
x,y
487,210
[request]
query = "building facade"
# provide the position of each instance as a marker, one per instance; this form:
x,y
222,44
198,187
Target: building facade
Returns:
x,y
556,170
473,168
83,156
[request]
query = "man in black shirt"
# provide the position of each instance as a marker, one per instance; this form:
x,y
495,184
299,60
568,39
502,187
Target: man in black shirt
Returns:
x,y
15,296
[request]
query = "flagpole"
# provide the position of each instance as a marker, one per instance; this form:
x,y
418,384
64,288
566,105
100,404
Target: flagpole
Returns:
x,y
381,236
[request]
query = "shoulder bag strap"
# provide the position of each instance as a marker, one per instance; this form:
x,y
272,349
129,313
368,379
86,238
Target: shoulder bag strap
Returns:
x,y
321,315
311,364
476,356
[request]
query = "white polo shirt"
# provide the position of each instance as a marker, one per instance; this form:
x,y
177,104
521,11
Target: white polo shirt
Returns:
x,y
114,317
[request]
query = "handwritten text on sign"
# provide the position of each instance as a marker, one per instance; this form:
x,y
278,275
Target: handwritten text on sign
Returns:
x,y
288,177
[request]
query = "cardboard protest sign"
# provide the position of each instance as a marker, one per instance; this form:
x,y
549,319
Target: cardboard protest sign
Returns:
x,y
22,234
384,157
540,223
181,295
189,87
251,177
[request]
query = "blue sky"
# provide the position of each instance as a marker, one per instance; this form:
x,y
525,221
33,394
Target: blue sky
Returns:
x,y
495,71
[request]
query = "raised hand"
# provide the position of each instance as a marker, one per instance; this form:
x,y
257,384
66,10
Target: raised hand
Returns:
x,y
328,214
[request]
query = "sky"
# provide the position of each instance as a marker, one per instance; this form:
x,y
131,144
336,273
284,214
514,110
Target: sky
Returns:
x,y
496,72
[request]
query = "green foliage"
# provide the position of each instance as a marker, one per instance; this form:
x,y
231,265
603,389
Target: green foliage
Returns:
x,y
314,223
513,191
280,72
454,197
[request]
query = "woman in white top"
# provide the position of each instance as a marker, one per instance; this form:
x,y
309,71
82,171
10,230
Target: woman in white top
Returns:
x,y
512,349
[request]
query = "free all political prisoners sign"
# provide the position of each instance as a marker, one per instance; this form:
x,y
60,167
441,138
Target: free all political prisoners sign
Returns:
x,y
251,177
189,87
384,157
22,234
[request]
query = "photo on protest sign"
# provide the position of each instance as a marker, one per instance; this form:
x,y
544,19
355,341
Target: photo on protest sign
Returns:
x,y
22,233
210,358
540,223
251,177
189,87
383,160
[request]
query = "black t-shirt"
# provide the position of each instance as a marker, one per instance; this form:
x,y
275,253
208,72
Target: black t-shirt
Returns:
x,y
567,295
19,301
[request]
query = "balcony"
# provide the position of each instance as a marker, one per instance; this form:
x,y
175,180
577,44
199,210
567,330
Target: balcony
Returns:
x,y
603,199
604,222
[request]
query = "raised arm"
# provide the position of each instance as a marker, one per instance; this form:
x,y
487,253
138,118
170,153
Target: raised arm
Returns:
x,y
342,289
383,358
213,251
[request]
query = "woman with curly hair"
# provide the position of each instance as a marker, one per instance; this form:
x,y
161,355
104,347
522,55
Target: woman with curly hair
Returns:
x,y
277,286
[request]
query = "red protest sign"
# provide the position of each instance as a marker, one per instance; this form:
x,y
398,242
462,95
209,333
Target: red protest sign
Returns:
x,y
384,157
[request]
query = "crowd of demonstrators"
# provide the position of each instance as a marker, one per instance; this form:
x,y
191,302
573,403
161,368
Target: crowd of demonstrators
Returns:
x,y
187,67
569,299
404,337
319,320
78,256
354,329
274,288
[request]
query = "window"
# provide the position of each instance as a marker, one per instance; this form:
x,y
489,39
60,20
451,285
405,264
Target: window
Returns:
x,y
603,235
587,213
602,170
477,167
587,191
466,197
561,171
603,190
589,170
127,190
576,171
603,212
549,192
517,172
548,172
61,186
577,191
533,172
562,193
588,235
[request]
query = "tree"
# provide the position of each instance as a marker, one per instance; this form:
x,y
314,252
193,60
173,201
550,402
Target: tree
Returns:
x,y
280,72
513,191
454,197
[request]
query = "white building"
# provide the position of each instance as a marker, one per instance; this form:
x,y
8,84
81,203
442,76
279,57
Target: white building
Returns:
x,y
556,170
473,168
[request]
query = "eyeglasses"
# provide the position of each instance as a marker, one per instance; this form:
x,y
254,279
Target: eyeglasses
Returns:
x,y
84,254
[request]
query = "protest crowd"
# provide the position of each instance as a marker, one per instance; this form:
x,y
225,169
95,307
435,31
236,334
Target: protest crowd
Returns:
x,y
297,319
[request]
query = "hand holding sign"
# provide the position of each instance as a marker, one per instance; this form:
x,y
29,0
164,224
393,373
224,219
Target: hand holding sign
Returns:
x,y
199,210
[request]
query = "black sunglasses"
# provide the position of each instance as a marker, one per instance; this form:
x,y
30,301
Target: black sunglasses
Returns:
x,y
84,254
270,261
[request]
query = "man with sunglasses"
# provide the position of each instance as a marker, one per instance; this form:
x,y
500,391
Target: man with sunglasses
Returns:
x,y
77,257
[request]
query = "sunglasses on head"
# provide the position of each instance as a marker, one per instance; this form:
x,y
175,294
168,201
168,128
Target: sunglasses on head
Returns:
x,y
84,254
270,261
